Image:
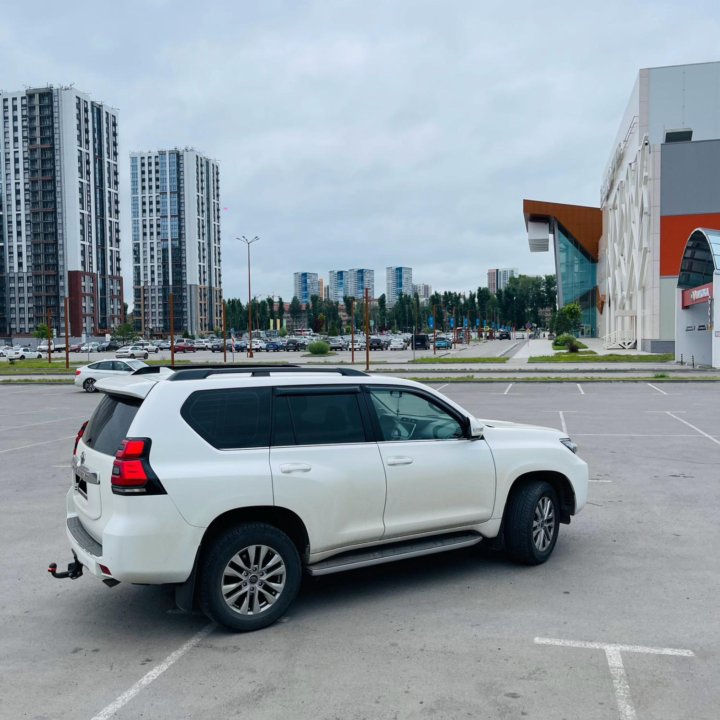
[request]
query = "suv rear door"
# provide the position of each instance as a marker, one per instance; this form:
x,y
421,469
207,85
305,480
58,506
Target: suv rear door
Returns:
x,y
325,467
93,461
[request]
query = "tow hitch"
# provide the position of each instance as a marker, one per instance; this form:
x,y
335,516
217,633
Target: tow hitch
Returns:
x,y
74,571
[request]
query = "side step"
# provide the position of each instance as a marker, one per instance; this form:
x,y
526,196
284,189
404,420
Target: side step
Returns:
x,y
395,551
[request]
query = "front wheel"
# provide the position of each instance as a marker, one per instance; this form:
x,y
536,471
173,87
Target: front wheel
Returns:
x,y
249,577
532,523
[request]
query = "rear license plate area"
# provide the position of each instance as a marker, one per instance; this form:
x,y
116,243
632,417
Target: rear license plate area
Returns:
x,y
80,486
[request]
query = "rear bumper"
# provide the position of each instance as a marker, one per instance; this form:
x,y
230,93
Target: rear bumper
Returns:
x,y
152,547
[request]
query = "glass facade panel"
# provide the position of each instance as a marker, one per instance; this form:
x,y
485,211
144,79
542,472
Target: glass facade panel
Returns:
x,y
577,276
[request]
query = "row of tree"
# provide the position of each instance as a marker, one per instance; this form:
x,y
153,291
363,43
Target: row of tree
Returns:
x,y
525,301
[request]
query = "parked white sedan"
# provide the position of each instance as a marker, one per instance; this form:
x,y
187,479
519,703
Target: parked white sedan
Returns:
x,y
132,351
87,375
22,353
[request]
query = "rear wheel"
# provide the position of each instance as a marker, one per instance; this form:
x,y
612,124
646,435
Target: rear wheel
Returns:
x,y
532,523
250,575
89,385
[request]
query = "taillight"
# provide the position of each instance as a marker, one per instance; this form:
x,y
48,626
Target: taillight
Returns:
x,y
77,372
131,473
81,432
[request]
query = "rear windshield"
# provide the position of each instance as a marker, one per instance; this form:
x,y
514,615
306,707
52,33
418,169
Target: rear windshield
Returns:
x,y
110,423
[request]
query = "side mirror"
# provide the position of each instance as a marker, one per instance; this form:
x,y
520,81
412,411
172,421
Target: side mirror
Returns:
x,y
476,429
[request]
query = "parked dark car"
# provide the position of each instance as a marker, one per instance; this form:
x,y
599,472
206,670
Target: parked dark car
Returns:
x,y
421,341
377,343
185,347
504,335
295,344
273,346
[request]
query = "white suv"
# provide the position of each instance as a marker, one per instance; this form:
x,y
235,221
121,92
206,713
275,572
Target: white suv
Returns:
x,y
229,482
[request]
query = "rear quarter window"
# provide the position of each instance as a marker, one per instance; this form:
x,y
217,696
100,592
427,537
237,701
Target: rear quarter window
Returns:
x,y
231,418
110,423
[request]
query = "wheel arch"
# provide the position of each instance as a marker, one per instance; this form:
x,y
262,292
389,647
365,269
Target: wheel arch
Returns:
x,y
559,482
279,517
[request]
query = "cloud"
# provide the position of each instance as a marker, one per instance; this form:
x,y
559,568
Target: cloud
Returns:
x,y
356,134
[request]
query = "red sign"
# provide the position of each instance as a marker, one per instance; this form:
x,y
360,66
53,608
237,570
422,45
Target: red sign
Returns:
x,y
699,294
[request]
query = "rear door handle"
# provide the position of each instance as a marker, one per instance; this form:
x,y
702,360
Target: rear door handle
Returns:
x,y
400,460
288,468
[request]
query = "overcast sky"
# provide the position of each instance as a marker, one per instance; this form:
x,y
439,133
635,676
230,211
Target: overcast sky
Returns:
x,y
365,134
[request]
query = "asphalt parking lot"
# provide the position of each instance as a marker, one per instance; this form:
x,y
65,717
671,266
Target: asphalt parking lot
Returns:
x,y
621,622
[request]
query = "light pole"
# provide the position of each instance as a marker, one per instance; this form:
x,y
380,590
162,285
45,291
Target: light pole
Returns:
x,y
249,243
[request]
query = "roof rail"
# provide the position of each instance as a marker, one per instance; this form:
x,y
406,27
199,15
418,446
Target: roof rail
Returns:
x,y
200,372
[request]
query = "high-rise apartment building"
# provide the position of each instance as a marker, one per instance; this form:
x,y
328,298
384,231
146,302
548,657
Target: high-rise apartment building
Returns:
x,y
305,285
498,278
338,286
358,280
59,213
351,283
423,291
175,198
398,282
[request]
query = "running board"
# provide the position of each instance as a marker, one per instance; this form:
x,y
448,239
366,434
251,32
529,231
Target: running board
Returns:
x,y
396,551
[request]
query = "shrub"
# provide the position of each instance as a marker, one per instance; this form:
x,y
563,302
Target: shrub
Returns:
x,y
572,345
319,347
564,339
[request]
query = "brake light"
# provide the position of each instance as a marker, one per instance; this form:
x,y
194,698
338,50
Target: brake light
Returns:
x,y
131,473
77,372
81,432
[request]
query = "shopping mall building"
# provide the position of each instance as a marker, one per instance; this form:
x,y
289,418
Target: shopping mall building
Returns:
x,y
645,265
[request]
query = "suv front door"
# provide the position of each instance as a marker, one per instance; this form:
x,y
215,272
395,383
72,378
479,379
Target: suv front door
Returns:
x,y
437,478
324,468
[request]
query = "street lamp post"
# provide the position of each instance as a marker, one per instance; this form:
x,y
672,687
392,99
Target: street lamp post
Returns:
x,y
249,243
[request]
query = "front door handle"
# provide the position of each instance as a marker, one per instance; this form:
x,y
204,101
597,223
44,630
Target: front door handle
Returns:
x,y
288,468
400,460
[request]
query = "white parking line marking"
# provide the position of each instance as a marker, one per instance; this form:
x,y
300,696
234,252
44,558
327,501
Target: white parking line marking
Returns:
x,y
507,389
613,654
45,422
632,435
35,412
696,429
44,442
153,675
442,386
562,421
599,481
582,392
654,387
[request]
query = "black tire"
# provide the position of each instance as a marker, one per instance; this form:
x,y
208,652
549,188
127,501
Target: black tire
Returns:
x,y
145,356
234,546
89,385
532,523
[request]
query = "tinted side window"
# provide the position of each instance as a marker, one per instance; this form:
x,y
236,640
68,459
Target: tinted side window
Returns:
x,y
110,422
230,418
318,419
404,415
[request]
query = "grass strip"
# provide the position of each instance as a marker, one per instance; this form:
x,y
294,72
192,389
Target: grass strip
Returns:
x,y
455,360
574,380
566,357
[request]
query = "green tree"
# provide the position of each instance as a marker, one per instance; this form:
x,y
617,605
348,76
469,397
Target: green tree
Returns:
x,y
568,318
295,312
280,311
382,312
42,332
124,332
